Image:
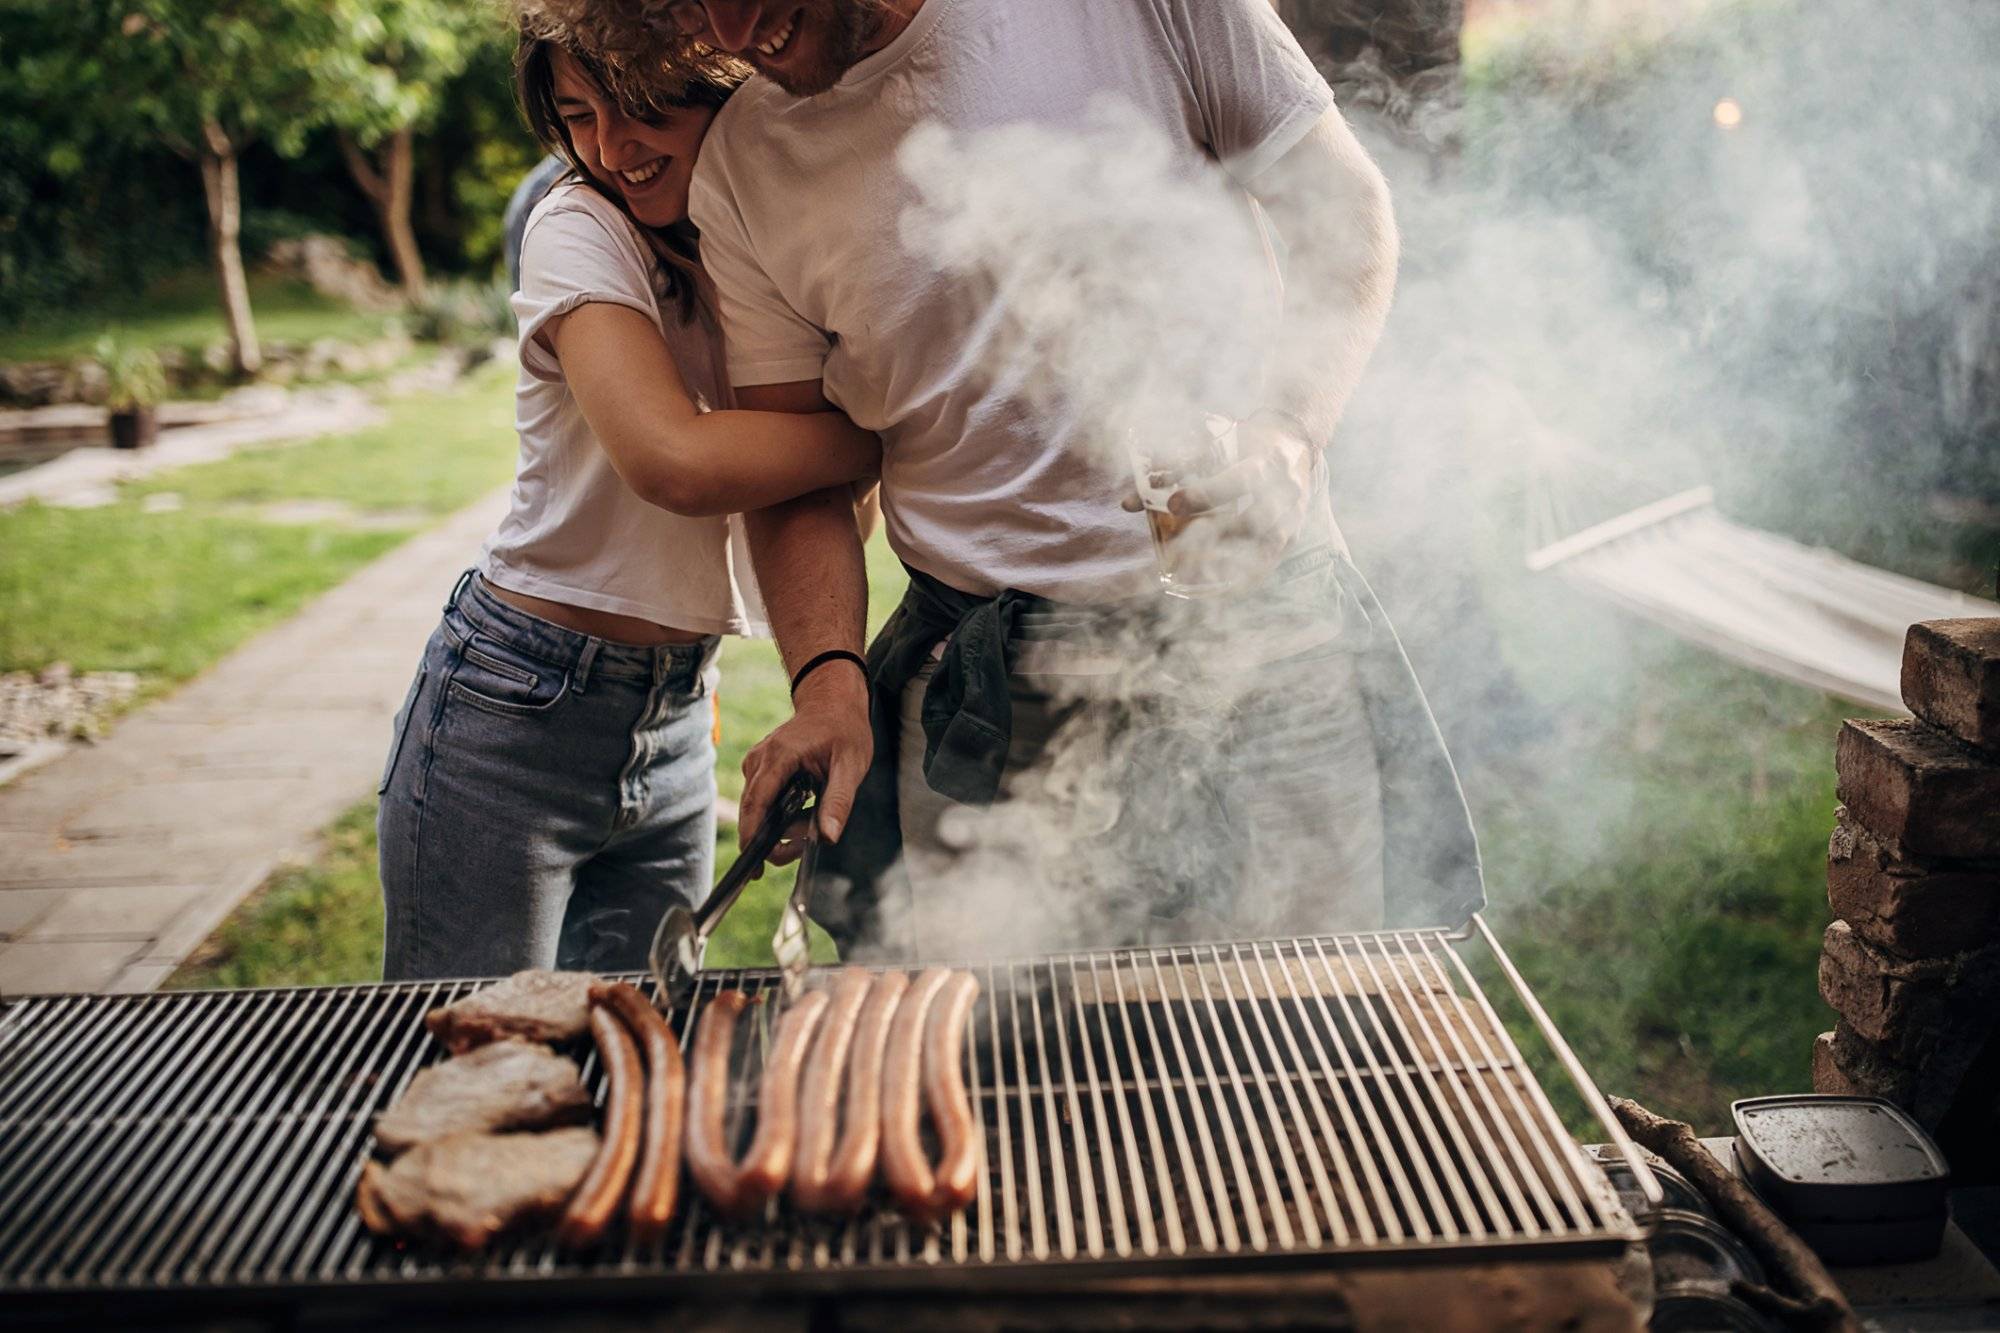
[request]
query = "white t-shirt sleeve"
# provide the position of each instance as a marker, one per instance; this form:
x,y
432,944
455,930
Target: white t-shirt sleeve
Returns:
x,y
575,255
1257,90
767,342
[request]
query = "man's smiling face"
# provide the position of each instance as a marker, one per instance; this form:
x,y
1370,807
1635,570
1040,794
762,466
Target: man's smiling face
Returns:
x,y
803,46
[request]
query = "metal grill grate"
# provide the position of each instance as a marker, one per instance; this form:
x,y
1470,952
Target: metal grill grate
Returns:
x,y
1303,1101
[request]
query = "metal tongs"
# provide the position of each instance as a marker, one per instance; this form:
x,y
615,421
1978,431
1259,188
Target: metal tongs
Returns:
x,y
681,941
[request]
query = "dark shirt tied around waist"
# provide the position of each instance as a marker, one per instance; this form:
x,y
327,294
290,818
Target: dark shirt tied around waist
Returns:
x,y
968,721
967,714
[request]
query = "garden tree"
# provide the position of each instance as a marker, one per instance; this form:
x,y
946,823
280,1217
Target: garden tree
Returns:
x,y
206,78
408,50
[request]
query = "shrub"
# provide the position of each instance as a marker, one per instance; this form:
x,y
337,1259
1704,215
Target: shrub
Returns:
x,y
133,375
465,311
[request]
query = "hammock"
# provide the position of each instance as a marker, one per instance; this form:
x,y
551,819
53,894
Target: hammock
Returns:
x,y
1797,612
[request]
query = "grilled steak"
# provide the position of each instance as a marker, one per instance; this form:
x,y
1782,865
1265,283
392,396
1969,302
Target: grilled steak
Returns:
x,y
536,1005
469,1188
505,1085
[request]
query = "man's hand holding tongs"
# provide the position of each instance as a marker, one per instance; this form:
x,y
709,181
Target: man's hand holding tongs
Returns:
x,y
828,736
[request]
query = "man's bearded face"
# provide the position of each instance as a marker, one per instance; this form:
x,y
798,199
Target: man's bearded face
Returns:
x,y
803,46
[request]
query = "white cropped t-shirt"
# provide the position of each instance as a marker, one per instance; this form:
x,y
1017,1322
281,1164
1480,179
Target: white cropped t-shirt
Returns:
x,y
574,532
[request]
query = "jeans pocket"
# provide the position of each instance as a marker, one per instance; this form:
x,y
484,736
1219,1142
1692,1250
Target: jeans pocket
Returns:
x,y
400,731
493,676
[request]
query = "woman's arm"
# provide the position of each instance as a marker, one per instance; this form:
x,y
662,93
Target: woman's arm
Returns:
x,y
682,459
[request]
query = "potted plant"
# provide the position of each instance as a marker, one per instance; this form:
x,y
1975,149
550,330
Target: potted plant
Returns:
x,y
134,382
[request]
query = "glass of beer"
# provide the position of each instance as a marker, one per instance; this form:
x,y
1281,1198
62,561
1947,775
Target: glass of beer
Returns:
x,y
1192,548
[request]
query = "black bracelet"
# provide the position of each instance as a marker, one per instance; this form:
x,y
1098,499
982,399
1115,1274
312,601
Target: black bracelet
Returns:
x,y
830,655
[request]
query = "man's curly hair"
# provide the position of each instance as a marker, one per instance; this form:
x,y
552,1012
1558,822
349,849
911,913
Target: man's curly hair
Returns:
x,y
642,58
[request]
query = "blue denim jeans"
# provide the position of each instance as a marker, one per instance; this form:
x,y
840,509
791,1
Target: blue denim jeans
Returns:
x,y
547,796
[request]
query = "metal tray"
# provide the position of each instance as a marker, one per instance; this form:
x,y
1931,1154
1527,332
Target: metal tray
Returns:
x,y
1818,1158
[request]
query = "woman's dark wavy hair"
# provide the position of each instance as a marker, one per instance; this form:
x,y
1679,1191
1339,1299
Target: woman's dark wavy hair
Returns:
x,y
633,42
704,83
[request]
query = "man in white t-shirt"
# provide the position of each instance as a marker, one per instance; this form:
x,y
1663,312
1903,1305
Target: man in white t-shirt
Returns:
x,y
1006,519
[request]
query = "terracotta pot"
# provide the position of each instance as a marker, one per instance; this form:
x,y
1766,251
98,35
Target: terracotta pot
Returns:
x,y
130,429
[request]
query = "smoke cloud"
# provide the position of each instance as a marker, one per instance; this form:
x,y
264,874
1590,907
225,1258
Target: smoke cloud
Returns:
x,y
1759,252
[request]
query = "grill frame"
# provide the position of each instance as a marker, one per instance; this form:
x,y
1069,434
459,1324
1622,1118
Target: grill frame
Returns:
x,y
243,1190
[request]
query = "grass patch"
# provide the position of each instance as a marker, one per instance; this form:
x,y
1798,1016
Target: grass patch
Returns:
x,y
314,924
160,594
1664,889
165,594
183,311
435,453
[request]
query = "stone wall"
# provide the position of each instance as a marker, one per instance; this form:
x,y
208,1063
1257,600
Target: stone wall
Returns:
x,y
1912,964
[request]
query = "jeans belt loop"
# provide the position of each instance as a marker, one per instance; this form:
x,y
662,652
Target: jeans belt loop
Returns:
x,y
581,677
458,589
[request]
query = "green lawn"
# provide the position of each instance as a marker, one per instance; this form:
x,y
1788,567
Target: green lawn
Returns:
x,y
183,311
1664,890
166,593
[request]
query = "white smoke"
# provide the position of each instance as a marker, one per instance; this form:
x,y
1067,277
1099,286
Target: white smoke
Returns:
x,y
1620,288
1128,296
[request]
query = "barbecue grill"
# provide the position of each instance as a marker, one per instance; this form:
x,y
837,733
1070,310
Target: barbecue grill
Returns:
x,y
1218,1108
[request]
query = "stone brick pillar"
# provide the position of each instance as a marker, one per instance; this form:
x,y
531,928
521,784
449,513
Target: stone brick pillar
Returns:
x,y
1912,963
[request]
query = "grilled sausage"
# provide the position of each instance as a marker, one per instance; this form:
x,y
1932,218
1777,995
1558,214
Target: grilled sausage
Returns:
x,y
768,1164
596,1200
905,1169
656,1184
708,1158
819,1090
961,1153
853,1166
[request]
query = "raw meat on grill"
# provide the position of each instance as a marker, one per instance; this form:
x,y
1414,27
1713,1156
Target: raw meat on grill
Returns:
x,y
733,1188
507,1085
536,1005
819,1099
961,1157
602,1193
905,1170
656,1181
468,1188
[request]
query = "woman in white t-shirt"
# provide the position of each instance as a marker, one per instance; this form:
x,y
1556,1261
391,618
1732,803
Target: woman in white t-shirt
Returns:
x,y
550,788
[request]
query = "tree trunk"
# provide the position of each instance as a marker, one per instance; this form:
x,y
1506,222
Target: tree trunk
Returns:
x,y
225,227
389,189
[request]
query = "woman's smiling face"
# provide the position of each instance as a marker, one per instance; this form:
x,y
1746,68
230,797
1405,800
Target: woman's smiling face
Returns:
x,y
648,163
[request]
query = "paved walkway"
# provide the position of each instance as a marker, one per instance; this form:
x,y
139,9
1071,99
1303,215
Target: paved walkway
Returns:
x,y
118,859
90,476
